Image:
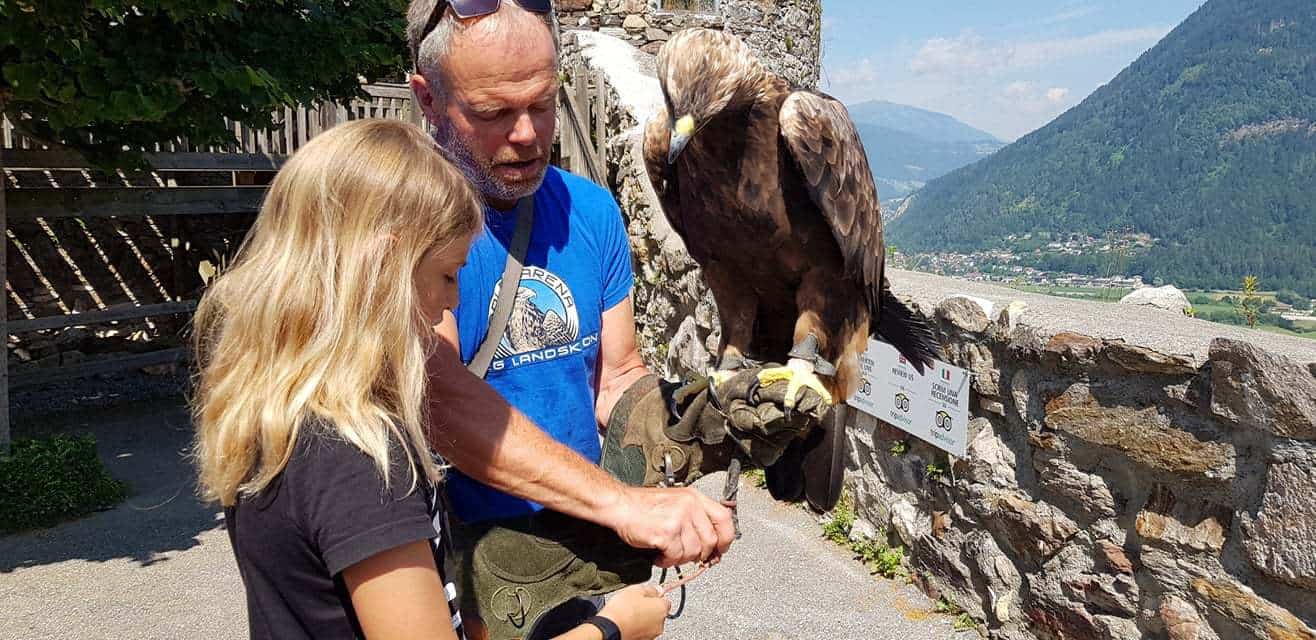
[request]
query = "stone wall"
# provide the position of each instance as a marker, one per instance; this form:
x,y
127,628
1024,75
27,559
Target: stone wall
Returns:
x,y
1111,489
1132,472
786,34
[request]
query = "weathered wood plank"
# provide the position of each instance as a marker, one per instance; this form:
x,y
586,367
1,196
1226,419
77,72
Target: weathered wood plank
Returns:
x,y
122,312
388,90
84,369
61,159
25,204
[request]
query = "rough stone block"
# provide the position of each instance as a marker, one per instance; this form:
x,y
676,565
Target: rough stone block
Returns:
x,y
634,24
1143,360
656,35
1253,388
1113,558
1182,525
1167,297
1259,616
1279,540
1182,621
1000,577
1073,347
573,5
1035,530
1088,491
965,312
1206,536
1010,316
990,462
1114,595
1144,435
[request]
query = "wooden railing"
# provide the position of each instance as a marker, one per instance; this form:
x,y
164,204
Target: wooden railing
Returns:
x,y
257,150
583,128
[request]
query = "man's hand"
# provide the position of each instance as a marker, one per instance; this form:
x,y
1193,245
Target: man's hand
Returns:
x,y
683,524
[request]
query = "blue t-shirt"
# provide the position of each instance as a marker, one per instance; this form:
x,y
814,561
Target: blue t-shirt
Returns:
x,y
578,265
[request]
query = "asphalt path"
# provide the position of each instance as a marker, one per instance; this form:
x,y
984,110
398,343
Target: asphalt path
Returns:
x,y
160,566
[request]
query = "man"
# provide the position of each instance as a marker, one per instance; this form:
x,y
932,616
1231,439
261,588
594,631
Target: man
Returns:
x,y
488,84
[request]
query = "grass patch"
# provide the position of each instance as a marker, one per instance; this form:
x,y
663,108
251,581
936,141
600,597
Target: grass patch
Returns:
x,y
53,479
757,476
880,558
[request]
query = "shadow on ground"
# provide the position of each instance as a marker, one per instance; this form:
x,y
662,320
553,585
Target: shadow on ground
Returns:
x,y
143,442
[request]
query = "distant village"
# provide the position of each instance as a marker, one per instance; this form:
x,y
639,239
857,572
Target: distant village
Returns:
x,y
1010,265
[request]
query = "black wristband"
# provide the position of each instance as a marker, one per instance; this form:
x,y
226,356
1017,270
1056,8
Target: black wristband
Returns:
x,y
608,627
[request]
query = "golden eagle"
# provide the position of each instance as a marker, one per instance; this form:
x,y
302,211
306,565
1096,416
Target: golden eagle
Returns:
x,y
770,189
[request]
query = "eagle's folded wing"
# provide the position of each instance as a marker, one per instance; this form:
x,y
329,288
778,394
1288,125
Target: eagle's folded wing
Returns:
x,y
822,139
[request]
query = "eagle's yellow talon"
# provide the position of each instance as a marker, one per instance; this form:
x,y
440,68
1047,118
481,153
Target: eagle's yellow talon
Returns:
x,y
797,379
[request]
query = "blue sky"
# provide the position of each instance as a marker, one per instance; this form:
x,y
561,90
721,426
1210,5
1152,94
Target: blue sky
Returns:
x,y
1004,66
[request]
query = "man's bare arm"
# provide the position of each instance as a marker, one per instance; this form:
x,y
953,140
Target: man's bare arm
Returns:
x,y
487,439
620,365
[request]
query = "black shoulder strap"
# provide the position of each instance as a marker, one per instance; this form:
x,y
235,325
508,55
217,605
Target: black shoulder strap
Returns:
x,y
525,217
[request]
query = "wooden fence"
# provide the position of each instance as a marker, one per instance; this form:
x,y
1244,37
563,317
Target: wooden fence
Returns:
x,y
258,152
581,148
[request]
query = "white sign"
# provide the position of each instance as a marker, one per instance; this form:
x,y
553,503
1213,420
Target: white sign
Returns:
x,y
932,406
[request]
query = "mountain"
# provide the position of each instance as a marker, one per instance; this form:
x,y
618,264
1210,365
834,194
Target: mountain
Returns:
x,y
908,146
1206,143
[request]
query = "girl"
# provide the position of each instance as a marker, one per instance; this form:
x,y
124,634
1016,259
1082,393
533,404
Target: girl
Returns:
x,y
312,354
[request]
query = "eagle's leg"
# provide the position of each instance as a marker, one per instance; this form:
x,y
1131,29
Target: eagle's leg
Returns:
x,y
801,371
737,309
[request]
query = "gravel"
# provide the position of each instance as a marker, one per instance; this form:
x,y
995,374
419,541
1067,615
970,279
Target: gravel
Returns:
x,y
1157,329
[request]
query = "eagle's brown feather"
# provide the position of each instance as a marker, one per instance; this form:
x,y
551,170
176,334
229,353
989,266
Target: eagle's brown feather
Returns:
x,y
826,147
774,200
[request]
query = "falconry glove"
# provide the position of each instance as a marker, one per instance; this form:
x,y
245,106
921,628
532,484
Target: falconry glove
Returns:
x,y
673,433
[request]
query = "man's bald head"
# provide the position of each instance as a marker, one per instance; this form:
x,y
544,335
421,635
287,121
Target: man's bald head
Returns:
x,y
511,28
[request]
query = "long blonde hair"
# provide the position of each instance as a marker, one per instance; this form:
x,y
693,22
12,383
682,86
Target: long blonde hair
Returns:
x,y
318,316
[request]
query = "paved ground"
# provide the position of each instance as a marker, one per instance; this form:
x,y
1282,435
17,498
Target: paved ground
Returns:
x,y
160,566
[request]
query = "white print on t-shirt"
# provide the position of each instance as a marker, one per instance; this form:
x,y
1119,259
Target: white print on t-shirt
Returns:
x,y
544,324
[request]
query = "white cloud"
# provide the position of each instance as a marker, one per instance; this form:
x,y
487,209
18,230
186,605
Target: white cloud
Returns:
x,y
856,76
1027,97
970,53
1071,14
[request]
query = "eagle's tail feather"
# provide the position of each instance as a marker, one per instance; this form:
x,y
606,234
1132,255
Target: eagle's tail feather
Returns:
x,y
910,334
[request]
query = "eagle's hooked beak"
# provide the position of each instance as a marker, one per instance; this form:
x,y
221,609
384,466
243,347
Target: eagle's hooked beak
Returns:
x,y
682,131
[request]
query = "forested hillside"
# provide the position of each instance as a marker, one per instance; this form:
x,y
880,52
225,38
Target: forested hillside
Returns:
x,y
1207,143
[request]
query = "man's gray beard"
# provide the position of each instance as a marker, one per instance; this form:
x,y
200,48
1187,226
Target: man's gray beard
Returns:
x,y
479,174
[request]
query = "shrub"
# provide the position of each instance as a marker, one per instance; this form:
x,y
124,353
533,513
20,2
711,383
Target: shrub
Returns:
x,y
53,479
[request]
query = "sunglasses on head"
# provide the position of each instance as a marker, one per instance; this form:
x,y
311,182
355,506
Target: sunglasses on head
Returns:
x,y
464,9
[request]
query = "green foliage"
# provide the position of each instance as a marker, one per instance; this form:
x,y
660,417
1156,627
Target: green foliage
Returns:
x,y
1188,144
874,553
1249,306
899,448
944,605
46,481
934,471
838,525
756,476
965,622
1293,299
99,76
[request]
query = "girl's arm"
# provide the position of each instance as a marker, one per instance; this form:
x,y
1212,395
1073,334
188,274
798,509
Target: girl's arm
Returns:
x,y
398,594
